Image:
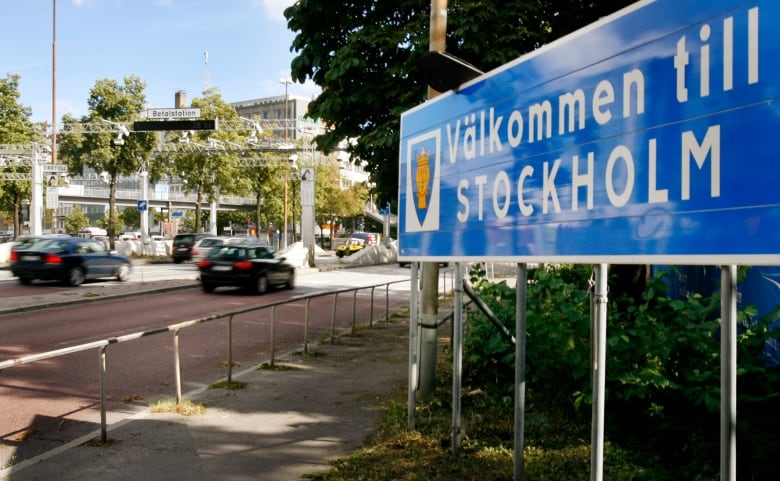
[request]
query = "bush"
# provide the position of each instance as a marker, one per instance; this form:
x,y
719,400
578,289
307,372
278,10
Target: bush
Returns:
x,y
663,368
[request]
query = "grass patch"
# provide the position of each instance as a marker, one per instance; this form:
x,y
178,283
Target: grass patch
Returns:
x,y
132,398
555,448
185,407
228,385
310,354
276,367
97,442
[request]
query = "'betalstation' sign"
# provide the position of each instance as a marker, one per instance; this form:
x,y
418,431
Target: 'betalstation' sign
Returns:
x,y
649,136
160,114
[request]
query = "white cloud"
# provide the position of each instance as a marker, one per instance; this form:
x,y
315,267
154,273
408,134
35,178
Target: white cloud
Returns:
x,y
274,9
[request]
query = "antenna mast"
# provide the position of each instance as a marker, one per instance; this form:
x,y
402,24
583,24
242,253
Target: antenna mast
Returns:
x,y
206,77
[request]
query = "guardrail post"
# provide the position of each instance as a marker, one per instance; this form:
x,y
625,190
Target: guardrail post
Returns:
x,y
333,318
273,334
306,327
371,315
354,305
102,364
230,351
177,365
387,302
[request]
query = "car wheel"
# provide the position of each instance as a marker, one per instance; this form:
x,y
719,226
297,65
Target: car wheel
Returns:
x,y
261,284
177,261
123,273
290,281
209,288
75,277
25,281
340,254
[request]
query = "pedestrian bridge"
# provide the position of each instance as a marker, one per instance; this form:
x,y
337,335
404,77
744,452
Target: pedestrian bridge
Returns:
x,y
172,201
130,197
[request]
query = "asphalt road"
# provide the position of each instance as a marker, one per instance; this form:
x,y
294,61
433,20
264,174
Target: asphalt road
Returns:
x,y
46,403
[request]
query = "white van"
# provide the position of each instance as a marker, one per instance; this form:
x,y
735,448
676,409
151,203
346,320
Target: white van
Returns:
x,y
89,232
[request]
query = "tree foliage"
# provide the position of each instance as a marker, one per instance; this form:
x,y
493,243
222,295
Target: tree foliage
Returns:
x,y
663,367
366,57
76,220
15,128
115,102
211,173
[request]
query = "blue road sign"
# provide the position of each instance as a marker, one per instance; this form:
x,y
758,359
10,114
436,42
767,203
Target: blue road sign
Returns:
x,y
143,206
649,136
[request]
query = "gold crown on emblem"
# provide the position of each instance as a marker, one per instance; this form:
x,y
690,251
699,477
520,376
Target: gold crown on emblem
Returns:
x,y
423,156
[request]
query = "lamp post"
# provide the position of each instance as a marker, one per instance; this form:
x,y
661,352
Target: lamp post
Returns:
x,y
286,82
292,166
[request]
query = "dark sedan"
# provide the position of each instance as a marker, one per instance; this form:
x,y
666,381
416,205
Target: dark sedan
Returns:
x,y
250,266
69,259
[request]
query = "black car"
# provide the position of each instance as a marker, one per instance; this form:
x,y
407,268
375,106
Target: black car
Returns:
x,y
182,246
68,259
250,266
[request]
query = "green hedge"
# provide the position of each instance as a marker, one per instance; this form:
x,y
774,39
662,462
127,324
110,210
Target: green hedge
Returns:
x,y
663,368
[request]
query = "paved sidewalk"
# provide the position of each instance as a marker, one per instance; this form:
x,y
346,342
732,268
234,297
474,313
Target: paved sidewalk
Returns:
x,y
287,422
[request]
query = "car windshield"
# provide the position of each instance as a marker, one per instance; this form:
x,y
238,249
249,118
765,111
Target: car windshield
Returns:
x,y
228,253
262,253
24,243
210,242
242,252
51,245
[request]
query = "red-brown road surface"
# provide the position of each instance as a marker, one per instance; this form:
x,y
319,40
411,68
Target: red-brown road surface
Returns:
x,y
46,403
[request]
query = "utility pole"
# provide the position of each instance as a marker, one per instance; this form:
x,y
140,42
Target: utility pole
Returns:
x,y
429,297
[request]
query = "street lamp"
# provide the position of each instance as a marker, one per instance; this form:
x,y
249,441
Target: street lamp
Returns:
x,y
286,82
292,166
121,132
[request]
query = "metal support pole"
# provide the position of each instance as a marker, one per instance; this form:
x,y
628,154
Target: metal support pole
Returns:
x,y
429,307
387,302
177,365
213,218
371,314
284,209
520,328
36,197
306,327
103,423
599,326
230,350
333,319
354,307
728,373
429,300
457,362
413,346
273,335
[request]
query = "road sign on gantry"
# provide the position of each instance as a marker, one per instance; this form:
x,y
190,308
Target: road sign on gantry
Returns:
x,y
647,137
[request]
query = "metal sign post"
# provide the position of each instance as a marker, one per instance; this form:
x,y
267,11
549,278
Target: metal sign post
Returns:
x,y
633,128
307,212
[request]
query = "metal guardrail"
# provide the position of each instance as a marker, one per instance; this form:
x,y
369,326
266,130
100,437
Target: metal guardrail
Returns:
x,y
102,345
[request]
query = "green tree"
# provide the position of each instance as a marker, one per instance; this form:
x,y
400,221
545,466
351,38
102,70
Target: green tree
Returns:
x,y
210,172
15,128
366,56
130,217
109,100
76,220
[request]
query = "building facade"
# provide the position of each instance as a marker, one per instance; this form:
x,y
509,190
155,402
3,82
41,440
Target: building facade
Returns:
x,y
290,110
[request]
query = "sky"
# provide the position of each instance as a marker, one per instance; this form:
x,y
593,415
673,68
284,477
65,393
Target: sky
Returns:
x,y
241,47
